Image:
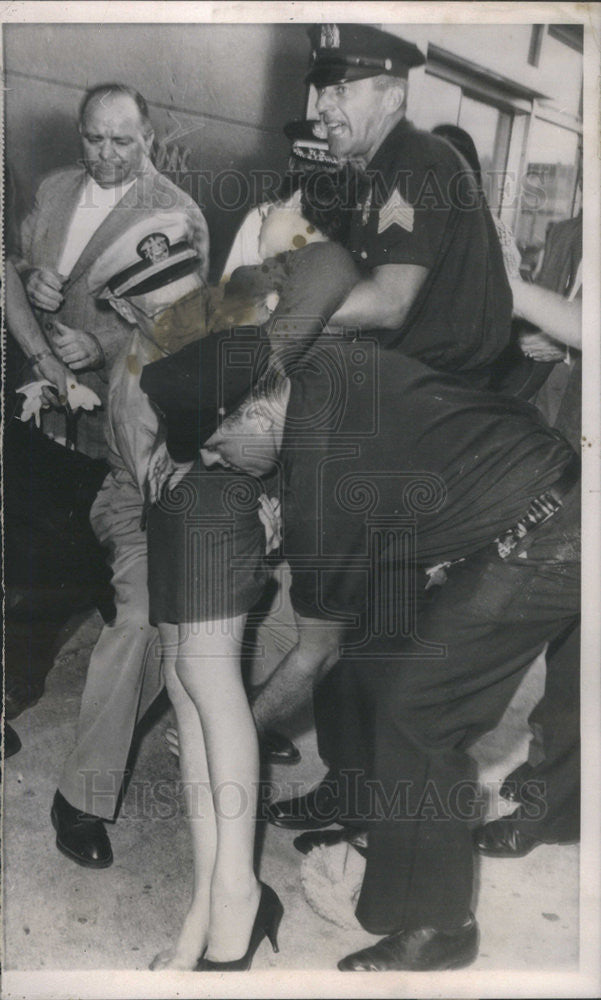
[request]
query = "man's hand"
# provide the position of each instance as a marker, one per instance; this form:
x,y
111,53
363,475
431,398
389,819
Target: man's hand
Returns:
x,y
53,370
270,516
39,395
540,347
162,469
76,348
43,287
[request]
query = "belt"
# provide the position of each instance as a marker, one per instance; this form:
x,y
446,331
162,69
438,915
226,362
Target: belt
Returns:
x,y
541,509
568,479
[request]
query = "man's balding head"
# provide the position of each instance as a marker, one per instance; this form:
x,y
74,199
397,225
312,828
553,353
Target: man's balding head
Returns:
x,y
116,133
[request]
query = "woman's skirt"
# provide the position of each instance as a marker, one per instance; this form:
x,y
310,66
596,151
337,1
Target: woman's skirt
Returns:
x,y
206,548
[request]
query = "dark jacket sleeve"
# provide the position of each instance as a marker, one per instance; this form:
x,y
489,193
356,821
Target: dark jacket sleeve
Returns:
x,y
193,388
173,384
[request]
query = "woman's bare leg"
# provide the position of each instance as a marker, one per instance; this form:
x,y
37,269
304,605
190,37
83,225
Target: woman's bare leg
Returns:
x,y
208,667
192,939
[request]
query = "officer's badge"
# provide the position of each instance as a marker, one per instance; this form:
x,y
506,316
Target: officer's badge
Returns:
x,y
397,212
330,36
154,248
366,209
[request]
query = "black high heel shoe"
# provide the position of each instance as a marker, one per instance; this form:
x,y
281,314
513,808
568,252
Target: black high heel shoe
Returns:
x,y
267,922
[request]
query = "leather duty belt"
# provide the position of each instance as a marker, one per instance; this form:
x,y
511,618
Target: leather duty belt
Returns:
x,y
541,508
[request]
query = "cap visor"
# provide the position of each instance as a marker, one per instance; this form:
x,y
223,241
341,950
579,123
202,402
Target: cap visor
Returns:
x,y
326,74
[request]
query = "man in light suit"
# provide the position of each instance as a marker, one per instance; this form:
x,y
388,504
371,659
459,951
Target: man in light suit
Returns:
x,y
79,214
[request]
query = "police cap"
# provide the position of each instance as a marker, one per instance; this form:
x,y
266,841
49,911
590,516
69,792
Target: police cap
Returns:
x,y
356,51
310,143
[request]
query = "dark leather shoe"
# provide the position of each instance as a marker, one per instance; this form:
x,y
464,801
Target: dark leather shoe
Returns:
x,y
327,838
503,838
12,743
423,950
313,811
80,836
277,748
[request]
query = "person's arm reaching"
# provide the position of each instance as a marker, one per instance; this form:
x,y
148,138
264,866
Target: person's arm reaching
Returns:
x,y
559,318
383,299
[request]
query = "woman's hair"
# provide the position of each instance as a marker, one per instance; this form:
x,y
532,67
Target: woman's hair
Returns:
x,y
464,144
327,201
267,392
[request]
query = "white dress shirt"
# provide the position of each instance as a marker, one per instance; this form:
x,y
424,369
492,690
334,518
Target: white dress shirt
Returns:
x,y
94,206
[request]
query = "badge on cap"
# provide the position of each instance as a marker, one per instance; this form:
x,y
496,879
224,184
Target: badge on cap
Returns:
x,y
396,211
330,36
154,247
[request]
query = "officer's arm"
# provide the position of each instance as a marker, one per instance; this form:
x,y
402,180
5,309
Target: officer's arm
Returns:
x,y
383,299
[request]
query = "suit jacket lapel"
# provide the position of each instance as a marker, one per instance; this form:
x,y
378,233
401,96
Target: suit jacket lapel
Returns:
x,y
116,222
59,217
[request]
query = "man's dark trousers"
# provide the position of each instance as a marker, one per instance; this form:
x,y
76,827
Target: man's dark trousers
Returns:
x,y
556,774
407,720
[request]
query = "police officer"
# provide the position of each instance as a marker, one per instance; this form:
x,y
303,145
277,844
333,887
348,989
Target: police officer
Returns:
x,y
434,283
491,492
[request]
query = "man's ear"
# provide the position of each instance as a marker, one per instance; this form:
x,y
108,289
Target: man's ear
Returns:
x,y
395,97
124,308
148,140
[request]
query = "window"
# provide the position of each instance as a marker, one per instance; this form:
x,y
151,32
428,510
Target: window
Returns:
x,y
438,103
536,41
445,103
489,128
550,183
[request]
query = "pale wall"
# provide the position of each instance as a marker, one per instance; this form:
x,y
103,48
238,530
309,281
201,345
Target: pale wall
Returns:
x,y
219,95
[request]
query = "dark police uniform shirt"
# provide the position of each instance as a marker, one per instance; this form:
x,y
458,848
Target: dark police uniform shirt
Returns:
x,y
423,207
377,446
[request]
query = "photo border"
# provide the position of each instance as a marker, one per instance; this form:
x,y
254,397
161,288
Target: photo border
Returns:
x,y
324,983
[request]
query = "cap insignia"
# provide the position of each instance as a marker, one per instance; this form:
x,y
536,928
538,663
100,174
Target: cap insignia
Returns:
x,y
154,248
330,36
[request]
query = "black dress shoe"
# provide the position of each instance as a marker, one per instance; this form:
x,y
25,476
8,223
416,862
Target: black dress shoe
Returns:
x,y
80,836
423,950
313,811
12,743
328,838
503,838
277,748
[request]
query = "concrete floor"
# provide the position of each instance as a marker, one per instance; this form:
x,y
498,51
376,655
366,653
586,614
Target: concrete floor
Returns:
x,y
59,916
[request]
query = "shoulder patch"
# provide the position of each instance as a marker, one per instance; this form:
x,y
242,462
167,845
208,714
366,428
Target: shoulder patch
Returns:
x,y
396,211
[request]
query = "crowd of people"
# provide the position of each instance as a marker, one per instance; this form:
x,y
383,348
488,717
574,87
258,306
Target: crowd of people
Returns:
x,y
341,400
